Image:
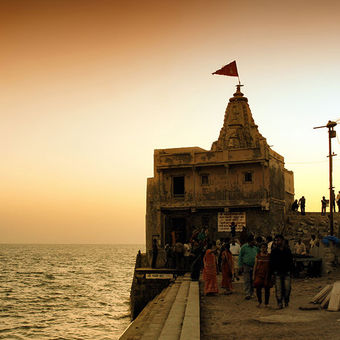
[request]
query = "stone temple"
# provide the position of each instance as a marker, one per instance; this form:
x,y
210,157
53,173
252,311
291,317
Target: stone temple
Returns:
x,y
241,180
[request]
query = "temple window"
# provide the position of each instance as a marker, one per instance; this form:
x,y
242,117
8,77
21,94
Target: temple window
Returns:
x,y
248,177
204,179
178,186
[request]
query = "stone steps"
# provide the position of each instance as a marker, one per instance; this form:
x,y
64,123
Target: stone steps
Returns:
x,y
172,315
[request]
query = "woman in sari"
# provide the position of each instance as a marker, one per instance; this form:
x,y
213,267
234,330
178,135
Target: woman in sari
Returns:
x,y
210,272
262,277
227,269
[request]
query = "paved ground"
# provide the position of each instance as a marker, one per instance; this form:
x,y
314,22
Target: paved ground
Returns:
x,y
233,317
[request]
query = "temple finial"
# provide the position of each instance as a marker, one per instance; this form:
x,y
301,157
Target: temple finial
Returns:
x,y
238,92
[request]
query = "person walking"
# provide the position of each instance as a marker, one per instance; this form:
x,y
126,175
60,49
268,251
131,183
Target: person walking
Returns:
x,y
235,251
227,269
246,261
281,264
210,271
262,277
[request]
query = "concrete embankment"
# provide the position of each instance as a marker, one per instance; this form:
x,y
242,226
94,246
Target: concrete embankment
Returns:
x,y
173,314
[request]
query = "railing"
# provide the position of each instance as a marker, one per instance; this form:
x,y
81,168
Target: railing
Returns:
x,y
222,195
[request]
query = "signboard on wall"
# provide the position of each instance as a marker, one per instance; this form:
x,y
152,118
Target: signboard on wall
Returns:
x,y
225,219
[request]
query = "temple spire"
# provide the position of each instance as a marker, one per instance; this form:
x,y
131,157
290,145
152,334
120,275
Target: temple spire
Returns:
x,y
239,130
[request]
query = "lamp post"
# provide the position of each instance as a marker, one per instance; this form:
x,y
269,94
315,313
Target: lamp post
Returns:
x,y
331,134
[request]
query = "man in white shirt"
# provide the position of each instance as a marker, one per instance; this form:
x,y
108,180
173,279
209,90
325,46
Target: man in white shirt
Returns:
x,y
235,250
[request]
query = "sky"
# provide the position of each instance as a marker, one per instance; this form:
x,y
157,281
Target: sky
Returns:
x,y
88,89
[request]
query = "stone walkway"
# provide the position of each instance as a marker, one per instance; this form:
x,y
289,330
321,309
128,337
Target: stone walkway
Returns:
x,y
233,317
172,315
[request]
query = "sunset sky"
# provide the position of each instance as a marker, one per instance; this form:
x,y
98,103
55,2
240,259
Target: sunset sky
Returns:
x,y
88,89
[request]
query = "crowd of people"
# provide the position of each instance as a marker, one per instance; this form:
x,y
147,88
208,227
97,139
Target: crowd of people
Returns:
x,y
263,263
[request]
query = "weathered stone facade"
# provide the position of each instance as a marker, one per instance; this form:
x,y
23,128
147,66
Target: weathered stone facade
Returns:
x,y
241,173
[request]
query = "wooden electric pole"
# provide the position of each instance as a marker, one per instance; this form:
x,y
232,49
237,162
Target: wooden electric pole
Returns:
x,y
331,134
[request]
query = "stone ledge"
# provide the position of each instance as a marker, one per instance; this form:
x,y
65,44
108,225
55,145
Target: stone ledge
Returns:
x,y
191,322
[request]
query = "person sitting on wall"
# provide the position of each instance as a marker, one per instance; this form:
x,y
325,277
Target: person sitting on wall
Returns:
x,y
314,242
300,248
295,206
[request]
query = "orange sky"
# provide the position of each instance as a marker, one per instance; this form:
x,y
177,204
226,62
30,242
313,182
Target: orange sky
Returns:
x,y
89,88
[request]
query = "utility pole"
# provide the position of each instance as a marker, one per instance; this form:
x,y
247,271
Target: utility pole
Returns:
x,y
331,134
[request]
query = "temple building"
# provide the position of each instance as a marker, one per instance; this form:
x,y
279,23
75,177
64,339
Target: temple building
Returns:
x,y
241,180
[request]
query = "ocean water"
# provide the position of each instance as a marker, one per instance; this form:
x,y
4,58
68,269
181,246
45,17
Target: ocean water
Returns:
x,y
65,291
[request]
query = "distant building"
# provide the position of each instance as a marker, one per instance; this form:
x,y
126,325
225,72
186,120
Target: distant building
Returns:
x,y
240,179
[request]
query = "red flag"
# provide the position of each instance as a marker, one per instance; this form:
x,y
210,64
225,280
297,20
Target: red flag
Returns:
x,y
228,70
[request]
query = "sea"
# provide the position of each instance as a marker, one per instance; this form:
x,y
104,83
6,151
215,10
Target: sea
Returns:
x,y
65,291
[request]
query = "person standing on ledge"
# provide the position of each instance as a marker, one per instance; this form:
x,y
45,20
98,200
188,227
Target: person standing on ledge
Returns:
x,y
281,264
246,261
302,202
323,205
